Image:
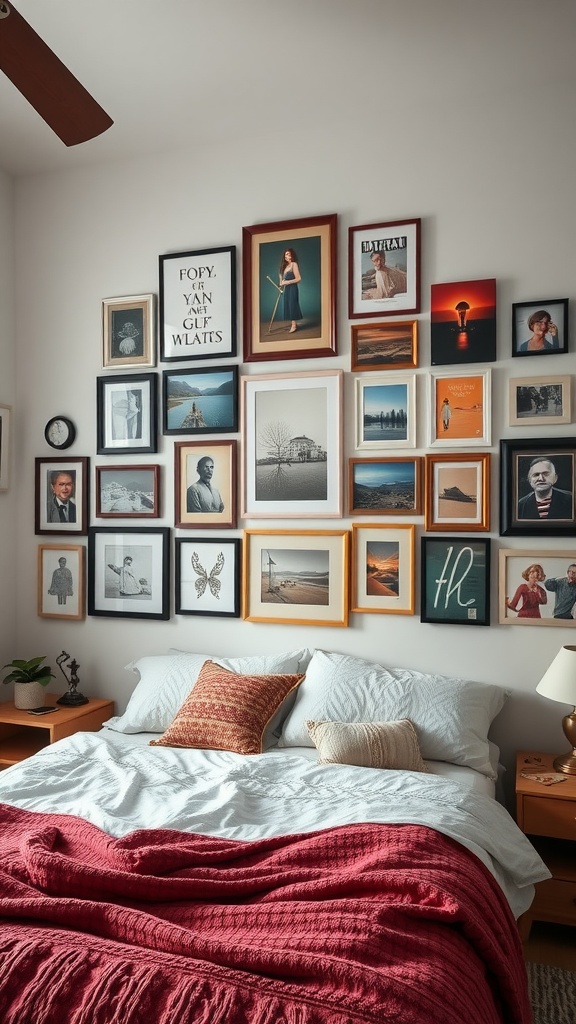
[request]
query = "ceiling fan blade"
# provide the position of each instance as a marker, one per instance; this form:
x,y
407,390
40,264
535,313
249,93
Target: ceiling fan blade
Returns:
x,y
46,82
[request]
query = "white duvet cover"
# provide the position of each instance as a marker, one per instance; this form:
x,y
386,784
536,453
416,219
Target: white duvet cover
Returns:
x,y
120,783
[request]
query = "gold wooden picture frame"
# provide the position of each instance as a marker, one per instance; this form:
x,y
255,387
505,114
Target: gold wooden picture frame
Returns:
x,y
61,581
384,346
383,568
129,331
457,492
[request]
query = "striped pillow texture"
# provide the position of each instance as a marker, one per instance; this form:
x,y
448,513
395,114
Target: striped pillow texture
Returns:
x,y
368,744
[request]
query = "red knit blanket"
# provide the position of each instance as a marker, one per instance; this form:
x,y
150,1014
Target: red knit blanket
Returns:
x,y
365,922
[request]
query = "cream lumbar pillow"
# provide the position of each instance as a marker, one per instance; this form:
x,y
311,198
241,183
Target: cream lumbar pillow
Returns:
x,y
368,744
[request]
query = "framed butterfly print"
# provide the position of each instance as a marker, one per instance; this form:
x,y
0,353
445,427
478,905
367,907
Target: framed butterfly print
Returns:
x,y
208,576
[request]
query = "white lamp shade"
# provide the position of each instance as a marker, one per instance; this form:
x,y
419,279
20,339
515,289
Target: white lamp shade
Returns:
x,y
559,682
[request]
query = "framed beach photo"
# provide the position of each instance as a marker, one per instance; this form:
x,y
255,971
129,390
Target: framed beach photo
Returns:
x,y
455,581
198,304
289,289
205,484
129,331
384,269
292,434
537,487
385,414
200,401
62,486
457,492
208,576
537,587
127,414
539,401
383,569
387,346
127,492
460,406
298,577
385,487
61,585
540,327
463,322
129,572
5,415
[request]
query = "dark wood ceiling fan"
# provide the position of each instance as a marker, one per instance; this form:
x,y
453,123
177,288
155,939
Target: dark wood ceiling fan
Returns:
x,y
46,82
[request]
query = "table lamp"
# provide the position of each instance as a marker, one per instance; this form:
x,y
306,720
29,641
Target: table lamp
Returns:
x,y
559,683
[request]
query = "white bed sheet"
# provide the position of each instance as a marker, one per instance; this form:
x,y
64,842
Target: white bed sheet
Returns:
x,y
120,783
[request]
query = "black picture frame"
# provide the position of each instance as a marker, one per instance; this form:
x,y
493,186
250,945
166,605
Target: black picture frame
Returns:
x,y
455,581
148,547
518,517
197,293
203,400
207,576
522,330
46,516
127,414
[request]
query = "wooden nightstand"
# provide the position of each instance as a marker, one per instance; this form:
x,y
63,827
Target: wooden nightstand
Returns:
x,y
22,734
548,816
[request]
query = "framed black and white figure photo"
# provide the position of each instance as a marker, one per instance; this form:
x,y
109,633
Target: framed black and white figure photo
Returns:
x,y
198,304
61,587
538,487
540,401
127,414
61,495
208,576
129,572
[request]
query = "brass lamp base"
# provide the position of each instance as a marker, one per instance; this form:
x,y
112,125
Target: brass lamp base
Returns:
x,y
567,762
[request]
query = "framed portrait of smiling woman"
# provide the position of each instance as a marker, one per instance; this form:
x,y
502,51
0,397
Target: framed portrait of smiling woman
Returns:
x,y
540,327
537,487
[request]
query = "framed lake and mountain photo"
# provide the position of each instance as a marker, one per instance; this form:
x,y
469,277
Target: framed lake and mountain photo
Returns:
x,y
537,587
383,569
537,487
384,269
292,433
129,331
127,492
386,412
455,581
61,581
457,492
540,327
200,401
205,484
540,401
127,414
460,407
62,486
385,486
387,346
298,577
198,304
208,576
129,572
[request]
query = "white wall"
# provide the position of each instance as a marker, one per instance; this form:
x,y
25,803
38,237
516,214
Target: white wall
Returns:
x,y
8,574
496,200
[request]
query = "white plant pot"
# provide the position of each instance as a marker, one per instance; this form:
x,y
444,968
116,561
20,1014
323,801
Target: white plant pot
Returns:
x,y
28,695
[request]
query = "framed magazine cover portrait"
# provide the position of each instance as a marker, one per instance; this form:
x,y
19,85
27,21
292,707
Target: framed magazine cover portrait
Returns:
x,y
127,414
385,487
384,269
129,572
208,576
455,581
198,304
383,569
129,331
537,587
61,587
289,289
460,406
540,327
62,487
457,492
205,494
537,487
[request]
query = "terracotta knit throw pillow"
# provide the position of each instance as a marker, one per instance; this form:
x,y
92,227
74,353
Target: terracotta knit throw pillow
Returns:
x,y
368,744
227,711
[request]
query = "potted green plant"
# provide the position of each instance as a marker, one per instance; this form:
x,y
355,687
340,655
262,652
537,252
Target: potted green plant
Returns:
x,y
29,678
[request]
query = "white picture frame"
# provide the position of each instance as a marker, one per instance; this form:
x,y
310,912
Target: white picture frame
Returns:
x,y
468,394
385,412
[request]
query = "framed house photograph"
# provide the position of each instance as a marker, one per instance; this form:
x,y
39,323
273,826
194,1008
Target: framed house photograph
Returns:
x,y
127,414
208,576
384,269
5,415
455,581
61,586
460,407
385,414
537,486
457,492
127,492
298,577
463,322
205,494
539,401
201,401
537,587
385,487
129,331
540,327
129,572
61,495
387,346
289,289
198,304
383,569
292,445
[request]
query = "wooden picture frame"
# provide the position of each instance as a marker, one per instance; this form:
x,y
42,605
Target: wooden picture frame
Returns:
x,y
463,322
127,492
383,569
539,401
5,443
526,479
129,331
208,576
296,576
205,493
198,304
540,327
387,346
385,412
384,269
537,587
127,414
385,486
62,480
457,492
460,408
61,584
292,445
296,320
200,401
129,572
455,581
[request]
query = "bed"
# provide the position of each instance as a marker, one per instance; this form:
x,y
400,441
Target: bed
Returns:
x,y
343,858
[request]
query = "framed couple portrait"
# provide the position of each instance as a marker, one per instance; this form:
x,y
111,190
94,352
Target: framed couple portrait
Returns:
x,y
384,269
537,487
61,493
537,587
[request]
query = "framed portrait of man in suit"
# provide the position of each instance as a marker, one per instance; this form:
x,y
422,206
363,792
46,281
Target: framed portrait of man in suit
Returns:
x,y
61,495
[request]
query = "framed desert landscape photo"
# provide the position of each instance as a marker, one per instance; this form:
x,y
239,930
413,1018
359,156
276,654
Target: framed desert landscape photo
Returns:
x,y
539,401
457,492
298,577
386,412
460,406
200,401
537,587
463,322
205,494
61,586
129,572
129,331
207,576
198,304
455,581
537,486
385,487
127,492
384,269
383,569
540,327
387,346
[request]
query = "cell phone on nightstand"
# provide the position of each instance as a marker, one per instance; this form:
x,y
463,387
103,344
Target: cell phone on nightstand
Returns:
x,y
42,711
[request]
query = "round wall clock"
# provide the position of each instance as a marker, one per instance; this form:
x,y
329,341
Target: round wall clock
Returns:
x,y
60,432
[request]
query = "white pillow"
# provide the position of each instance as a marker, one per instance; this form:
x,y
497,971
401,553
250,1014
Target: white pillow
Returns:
x,y
166,680
451,716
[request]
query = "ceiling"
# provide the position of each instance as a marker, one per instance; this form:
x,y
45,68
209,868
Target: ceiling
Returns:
x,y
180,74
